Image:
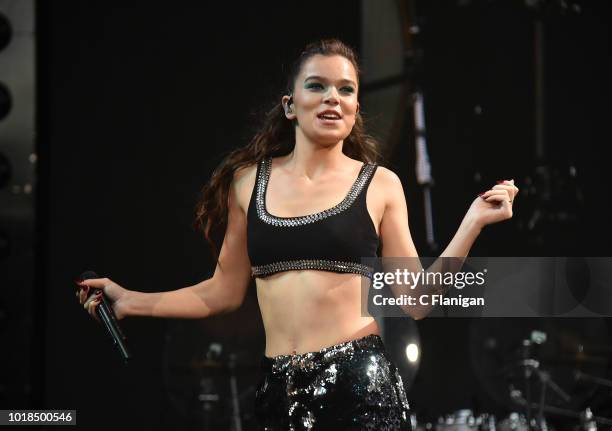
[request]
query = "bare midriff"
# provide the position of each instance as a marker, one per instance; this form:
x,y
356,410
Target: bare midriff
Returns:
x,y
307,310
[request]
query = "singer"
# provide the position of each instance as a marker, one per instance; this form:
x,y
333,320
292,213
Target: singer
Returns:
x,y
300,205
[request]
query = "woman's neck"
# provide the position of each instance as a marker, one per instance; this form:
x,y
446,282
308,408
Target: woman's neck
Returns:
x,y
310,159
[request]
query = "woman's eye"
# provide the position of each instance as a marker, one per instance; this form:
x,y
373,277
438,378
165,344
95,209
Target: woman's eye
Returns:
x,y
314,85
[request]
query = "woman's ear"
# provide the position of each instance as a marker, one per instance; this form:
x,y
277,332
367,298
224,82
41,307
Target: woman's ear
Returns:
x,y
287,102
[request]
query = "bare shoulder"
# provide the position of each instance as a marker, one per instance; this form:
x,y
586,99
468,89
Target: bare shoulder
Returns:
x,y
387,184
242,174
386,176
243,184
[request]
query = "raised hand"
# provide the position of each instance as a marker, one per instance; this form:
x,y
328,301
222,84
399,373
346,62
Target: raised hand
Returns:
x,y
495,204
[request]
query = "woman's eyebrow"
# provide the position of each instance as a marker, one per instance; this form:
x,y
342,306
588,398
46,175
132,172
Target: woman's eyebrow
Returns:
x,y
348,81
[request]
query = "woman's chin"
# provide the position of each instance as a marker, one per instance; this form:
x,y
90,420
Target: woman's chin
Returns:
x,y
328,138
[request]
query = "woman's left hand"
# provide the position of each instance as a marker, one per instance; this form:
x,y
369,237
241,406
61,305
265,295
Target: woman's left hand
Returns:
x,y
494,205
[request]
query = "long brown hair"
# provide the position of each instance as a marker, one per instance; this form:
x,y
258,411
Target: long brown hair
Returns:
x,y
276,137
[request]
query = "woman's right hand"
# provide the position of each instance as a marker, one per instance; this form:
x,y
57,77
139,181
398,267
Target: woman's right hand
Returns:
x,y
115,295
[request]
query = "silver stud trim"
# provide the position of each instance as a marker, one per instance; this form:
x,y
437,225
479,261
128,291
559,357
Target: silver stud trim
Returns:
x,y
320,264
262,183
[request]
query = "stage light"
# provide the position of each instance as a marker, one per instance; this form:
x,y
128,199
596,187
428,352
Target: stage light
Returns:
x,y
412,352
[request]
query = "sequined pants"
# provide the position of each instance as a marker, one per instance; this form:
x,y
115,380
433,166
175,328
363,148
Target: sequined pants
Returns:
x,y
347,386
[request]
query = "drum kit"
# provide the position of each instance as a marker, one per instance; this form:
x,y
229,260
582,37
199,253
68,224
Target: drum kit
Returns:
x,y
529,385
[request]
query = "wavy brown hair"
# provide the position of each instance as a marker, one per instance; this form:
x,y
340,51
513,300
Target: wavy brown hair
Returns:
x,y
276,137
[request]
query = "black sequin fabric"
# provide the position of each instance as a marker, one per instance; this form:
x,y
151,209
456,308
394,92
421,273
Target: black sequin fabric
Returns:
x,y
348,386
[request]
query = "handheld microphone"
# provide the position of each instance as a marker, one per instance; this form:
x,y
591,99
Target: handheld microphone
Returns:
x,y
107,316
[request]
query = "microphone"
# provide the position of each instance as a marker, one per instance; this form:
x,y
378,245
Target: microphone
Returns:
x,y
107,316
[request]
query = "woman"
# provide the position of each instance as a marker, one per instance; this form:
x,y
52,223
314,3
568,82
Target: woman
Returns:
x,y
305,201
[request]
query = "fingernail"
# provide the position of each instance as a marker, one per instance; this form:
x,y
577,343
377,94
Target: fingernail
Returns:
x,y
480,194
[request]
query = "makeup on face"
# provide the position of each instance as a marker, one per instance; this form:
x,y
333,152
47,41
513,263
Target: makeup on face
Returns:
x,y
328,95
344,87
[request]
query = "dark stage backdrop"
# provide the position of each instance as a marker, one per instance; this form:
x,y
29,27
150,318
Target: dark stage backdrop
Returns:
x,y
478,81
138,104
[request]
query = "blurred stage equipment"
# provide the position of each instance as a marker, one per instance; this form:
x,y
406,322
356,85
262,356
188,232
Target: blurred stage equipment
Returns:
x,y
209,395
413,63
550,369
521,367
545,368
552,193
551,196
465,420
17,205
210,371
397,78
207,388
403,343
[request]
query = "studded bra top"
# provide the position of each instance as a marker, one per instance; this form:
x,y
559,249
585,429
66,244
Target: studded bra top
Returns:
x,y
331,240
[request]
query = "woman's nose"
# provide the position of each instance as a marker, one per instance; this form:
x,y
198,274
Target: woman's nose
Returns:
x,y
331,96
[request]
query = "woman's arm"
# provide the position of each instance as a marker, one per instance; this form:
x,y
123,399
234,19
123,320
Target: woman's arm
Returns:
x,y
397,240
222,293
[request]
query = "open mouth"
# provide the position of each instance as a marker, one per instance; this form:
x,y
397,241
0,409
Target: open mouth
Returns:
x,y
328,117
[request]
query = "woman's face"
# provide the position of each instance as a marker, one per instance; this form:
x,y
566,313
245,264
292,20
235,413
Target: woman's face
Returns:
x,y
325,98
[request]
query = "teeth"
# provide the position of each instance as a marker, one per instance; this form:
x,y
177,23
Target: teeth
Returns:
x,y
329,117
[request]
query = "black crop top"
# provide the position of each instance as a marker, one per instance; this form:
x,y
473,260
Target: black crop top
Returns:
x,y
331,240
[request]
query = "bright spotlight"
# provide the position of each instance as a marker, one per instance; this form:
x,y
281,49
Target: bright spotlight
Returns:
x,y
412,352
